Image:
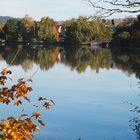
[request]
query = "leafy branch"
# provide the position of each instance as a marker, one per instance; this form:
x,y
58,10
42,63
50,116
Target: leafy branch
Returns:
x,y
21,127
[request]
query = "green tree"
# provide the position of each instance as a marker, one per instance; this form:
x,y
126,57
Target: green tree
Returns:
x,y
11,29
27,28
80,59
127,34
102,30
78,31
46,29
47,57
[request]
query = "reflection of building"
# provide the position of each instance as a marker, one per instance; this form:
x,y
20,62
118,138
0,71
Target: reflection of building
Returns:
x,y
61,54
62,31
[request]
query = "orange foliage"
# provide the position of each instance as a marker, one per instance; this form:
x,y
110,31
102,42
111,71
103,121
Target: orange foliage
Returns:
x,y
1,26
57,34
22,127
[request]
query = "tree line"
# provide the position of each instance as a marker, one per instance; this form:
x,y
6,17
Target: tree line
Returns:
x,y
127,33
47,30
26,29
74,31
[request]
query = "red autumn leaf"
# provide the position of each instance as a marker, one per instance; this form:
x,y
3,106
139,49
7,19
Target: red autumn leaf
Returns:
x,y
17,102
6,100
23,115
36,114
29,88
4,72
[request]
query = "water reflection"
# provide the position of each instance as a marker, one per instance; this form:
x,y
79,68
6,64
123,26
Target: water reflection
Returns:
x,y
127,60
92,95
135,126
134,121
76,58
80,58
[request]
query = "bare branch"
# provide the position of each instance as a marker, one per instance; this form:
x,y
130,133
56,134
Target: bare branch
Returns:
x,y
115,6
130,4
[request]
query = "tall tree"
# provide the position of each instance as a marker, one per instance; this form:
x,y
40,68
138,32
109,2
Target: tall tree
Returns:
x,y
27,27
46,29
78,31
11,29
102,29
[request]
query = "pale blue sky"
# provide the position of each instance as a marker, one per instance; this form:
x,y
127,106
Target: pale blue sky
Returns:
x,y
57,9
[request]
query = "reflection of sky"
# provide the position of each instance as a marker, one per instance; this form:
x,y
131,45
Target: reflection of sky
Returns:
x,y
88,105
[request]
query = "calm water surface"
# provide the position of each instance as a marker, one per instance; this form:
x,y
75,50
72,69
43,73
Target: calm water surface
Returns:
x,y
93,91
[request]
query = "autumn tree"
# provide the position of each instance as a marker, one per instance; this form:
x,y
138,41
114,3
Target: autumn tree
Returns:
x,y
102,29
19,127
1,30
27,28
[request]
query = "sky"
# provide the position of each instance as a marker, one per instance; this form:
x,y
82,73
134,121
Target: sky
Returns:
x,y
56,9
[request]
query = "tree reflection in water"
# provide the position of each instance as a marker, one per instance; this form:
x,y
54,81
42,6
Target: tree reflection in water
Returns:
x,y
78,59
21,126
135,125
128,61
135,120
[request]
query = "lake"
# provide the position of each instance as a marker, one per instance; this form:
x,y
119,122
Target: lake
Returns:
x,y
96,91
